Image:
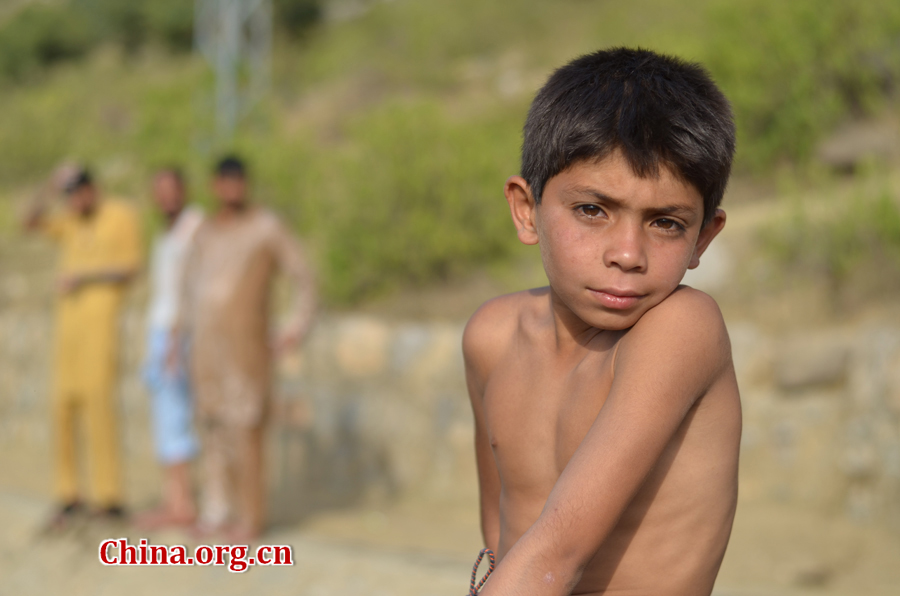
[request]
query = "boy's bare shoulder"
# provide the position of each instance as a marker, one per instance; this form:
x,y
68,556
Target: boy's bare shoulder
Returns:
x,y
496,322
687,326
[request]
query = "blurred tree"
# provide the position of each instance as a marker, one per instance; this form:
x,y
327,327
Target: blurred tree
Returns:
x,y
119,21
171,22
40,35
793,70
296,17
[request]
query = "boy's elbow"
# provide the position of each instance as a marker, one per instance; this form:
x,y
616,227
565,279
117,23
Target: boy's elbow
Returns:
x,y
560,568
565,550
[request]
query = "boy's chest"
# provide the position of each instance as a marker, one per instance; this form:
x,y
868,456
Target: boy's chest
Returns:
x,y
537,414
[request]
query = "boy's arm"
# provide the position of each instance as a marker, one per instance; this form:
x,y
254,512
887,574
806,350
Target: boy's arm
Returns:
x,y
666,362
476,344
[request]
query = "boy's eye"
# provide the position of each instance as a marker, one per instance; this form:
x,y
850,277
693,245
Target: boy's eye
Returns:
x,y
590,210
668,224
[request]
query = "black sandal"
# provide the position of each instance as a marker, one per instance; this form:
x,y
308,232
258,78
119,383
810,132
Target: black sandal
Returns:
x,y
63,517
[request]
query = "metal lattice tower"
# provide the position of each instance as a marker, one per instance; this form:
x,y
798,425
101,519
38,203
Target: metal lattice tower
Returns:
x,y
235,37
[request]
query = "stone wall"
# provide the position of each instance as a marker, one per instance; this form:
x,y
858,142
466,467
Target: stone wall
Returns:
x,y
381,409
822,417
375,409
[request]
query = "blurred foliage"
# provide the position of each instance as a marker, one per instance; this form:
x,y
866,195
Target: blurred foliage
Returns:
x,y
296,17
388,136
171,22
793,70
421,200
116,21
40,35
837,238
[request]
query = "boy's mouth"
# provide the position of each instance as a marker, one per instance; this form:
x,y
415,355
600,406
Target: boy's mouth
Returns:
x,y
615,298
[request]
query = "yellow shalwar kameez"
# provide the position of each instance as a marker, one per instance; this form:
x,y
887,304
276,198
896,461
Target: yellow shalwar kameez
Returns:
x,y
87,346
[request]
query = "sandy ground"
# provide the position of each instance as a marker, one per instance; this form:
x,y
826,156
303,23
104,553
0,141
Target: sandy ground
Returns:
x,y
34,564
424,549
410,548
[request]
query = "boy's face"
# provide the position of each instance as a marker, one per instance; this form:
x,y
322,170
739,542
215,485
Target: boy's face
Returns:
x,y
614,245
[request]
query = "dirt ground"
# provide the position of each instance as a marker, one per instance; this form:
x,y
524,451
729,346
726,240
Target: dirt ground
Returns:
x,y
425,549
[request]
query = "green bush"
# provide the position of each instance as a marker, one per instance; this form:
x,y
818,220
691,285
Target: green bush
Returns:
x,y
132,24
171,22
835,238
793,70
419,198
39,36
296,17
118,21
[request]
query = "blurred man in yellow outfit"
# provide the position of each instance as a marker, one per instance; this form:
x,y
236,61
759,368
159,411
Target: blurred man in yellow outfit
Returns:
x,y
100,252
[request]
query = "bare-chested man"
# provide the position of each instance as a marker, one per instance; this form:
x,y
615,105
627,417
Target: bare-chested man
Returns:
x,y
607,413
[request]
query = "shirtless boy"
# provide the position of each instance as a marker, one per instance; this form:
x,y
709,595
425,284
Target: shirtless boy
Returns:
x,y
607,415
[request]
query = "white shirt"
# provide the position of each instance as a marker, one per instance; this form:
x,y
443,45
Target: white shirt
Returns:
x,y
170,249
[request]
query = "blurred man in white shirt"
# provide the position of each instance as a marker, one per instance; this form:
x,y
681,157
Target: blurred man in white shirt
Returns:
x,y
165,370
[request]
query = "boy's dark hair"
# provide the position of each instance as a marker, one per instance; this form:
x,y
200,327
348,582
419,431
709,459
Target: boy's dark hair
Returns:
x,y
655,109
231,165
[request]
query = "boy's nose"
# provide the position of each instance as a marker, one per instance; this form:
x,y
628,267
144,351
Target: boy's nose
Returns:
x,y
625,249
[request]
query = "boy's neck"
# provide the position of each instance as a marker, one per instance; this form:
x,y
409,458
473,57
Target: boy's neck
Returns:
x,y
571,332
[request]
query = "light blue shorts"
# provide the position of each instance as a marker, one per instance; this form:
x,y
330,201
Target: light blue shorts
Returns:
x,y
171,403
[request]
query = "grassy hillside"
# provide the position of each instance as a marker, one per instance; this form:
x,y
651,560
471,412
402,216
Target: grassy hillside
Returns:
x,y
387,136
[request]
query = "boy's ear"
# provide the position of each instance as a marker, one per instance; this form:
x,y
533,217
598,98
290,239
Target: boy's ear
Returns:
x,y
522,208
707,233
